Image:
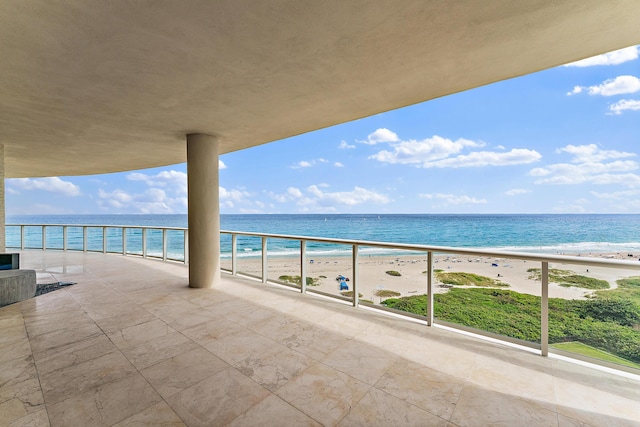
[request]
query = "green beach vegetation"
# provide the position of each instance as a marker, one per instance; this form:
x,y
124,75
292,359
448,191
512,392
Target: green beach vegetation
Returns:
x,y
393,273
386,293
311,281
608,322
468,279
568,278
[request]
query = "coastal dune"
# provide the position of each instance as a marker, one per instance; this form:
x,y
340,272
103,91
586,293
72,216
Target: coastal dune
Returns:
x,y
412,278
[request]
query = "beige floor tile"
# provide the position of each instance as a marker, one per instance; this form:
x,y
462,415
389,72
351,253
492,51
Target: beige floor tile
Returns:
x,y
182,371
218,399
273,412
158,349
27,392
11,410
301,336
74,353
323,393
478,406
243,346
378,408
36,419
272,371
422,386
124,320
51,342
187,319
15,348
51,322
158,415
211,331
360,360
85,377
106,405
592,405
135,335
519,379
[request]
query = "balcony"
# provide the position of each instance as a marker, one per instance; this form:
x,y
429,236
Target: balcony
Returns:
x,y
131,344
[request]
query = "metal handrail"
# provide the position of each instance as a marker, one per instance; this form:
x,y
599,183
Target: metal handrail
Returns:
x,y
543,259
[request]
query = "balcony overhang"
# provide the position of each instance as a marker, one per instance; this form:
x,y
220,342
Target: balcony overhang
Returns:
x,y
110,86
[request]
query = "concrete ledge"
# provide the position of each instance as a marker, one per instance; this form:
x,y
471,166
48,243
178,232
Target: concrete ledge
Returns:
x,y
16,285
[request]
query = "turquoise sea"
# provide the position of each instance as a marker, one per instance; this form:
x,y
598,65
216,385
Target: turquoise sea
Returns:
x,y
570,234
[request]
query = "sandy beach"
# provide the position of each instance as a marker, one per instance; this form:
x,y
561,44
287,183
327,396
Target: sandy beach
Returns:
x,y
412,268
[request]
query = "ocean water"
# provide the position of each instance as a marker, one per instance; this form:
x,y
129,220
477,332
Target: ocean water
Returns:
x,y
572,234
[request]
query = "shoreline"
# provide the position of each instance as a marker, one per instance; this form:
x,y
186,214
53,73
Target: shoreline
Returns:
x,y
412,268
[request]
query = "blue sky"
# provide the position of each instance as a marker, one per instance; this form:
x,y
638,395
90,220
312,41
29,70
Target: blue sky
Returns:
x,y
565,140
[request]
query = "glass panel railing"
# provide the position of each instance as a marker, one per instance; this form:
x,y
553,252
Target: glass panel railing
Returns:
x,y
225,251
114,239
594,312
12,236
75,238
284,261
175,245
54,237
94,239
249,255
329,269
134,241
33,237
154,242
393,279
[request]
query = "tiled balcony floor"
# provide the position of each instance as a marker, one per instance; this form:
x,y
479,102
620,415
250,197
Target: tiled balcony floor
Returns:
x,y
130,344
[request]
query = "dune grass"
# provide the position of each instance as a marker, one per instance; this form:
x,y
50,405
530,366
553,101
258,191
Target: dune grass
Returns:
x,y
586,350
568,278
468,279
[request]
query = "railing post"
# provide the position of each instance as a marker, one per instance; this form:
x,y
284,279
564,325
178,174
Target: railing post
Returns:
x,y
430,288
84,239
44,237
104,240
124,241
144,243
186,246
234,258
22,237
354,260
65,238
164,244
303,266
265,265
544,311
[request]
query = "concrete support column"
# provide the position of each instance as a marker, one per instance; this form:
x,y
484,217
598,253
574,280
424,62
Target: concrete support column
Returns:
x,y
204,210
2,216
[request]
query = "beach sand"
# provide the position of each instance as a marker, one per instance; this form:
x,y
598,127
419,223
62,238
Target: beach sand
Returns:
x,y
413,279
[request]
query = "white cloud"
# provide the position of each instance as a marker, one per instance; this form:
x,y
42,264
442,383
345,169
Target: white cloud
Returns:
x,y
617,195
517,191
516,156
589,165
52,184
380,135
344,145
307,164
612,58
152,200
452,199
439,152
174,181
338,165
294,192
423,152
592,153
221,165
324,199
618,86
233,195
623,105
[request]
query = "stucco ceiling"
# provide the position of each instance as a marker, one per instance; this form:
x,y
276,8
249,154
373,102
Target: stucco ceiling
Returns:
x,y
100,86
